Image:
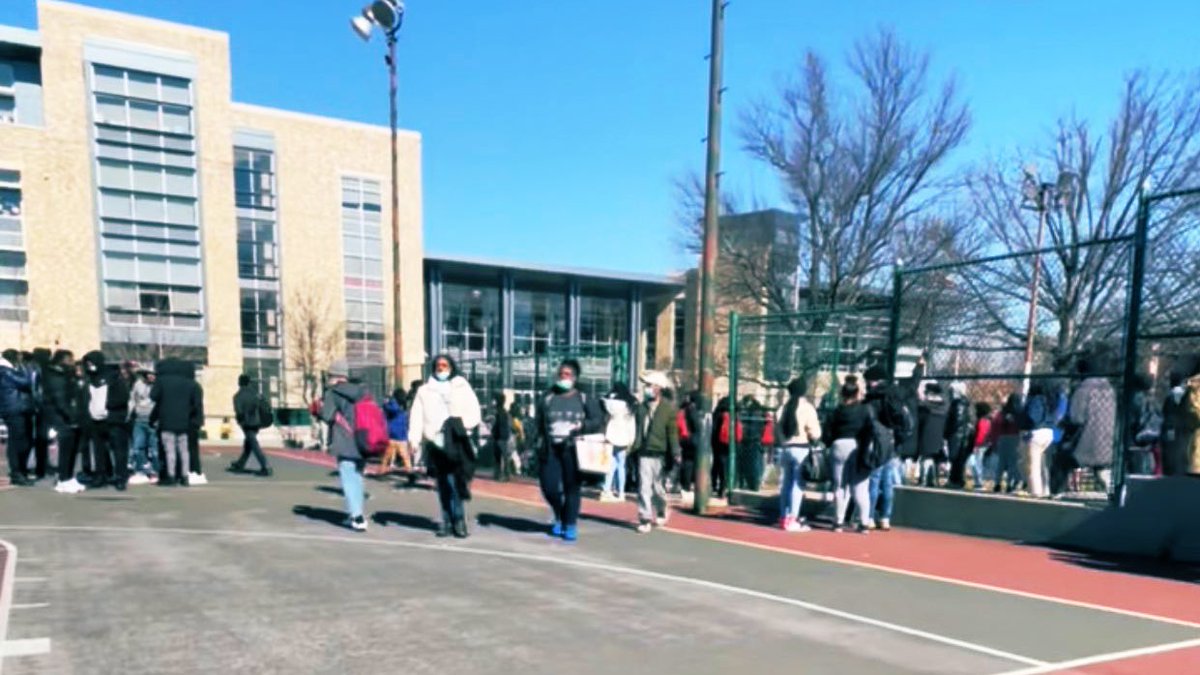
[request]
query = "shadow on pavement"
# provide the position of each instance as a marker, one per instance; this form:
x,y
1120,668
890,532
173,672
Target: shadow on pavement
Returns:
x,y
511,523
329,489
409,520
321,514
1125,564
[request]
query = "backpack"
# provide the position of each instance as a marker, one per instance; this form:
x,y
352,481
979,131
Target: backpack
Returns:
x,y
681,424
266,416
877,443
370,429
723,434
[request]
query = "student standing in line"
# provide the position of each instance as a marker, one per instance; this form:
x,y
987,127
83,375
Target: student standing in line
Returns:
x,y
145,440
801,429
176,407
15,406
564,413
850,476
445,413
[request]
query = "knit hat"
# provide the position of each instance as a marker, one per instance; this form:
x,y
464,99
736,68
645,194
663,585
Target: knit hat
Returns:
x,y
339,368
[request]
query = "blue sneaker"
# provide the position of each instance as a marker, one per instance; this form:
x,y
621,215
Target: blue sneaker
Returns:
x,y
556,530
571,533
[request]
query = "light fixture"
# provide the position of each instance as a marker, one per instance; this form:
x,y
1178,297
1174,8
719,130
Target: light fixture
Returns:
x,y
387,14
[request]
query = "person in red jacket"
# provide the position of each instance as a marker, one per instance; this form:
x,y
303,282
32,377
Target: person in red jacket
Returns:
x,y
980,443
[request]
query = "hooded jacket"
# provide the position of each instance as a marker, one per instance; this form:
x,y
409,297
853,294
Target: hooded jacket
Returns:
x,y
435,403
102,379
1094,412
15,390
141,405
61,397
178,400
934,411
337,410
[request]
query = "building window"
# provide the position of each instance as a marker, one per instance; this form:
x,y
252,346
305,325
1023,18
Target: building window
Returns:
x,y
539,321
362,211
257,250
677,358
603,321
14,289
145,154
8,95
650,331
260,319
471,321
254,178
268,375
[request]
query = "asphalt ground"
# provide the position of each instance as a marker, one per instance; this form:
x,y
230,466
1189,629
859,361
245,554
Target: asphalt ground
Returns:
x,y
252,575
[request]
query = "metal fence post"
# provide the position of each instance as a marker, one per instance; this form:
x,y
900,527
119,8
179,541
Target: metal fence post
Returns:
x,y
1133,326
894,328
731,469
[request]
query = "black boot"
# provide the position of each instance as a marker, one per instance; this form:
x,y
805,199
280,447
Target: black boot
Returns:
x,y
460,529
443,530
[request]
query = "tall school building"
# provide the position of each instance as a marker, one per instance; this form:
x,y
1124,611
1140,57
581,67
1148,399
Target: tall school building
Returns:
x,y
144,212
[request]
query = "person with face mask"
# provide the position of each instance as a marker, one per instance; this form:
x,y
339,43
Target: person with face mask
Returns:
x,y
658,439
107,408
564,413
16,407
445,412
62,415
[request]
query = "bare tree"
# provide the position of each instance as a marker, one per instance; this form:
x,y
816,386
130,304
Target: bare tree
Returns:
x,y
314,339
864,167
1154,139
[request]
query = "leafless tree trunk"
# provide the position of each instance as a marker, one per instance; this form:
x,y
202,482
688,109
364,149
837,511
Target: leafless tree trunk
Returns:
x,y
315,340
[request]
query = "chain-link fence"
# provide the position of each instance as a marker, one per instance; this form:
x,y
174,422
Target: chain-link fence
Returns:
x,y
767,352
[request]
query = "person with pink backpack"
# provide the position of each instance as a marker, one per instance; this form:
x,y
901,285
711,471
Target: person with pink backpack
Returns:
x,y
357,431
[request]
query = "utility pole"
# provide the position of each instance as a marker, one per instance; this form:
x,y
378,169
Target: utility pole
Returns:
x,y
397,302
708,267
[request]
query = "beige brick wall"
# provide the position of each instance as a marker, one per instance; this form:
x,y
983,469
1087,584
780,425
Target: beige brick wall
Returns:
x,y
312,154
55,162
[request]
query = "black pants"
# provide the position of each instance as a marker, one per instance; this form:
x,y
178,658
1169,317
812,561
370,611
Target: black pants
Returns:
x,y
560,483
687,467
959,454
68,447
720,469
40,445
110,444
17,448
194,451
1060,471
249,446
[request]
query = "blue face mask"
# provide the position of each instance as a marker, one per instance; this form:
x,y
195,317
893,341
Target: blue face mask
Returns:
x,y
442,377
565,385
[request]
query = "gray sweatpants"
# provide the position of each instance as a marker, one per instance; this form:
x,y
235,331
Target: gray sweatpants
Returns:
x,y
849,481
652,495
175,443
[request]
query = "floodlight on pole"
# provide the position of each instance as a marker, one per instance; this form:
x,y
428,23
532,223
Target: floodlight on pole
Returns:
x,y
388,15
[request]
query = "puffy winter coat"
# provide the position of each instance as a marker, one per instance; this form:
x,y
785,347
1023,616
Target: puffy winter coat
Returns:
x,y
15,388
932,429
1191,417
437,402
61,394
1094,411
621,430
178,401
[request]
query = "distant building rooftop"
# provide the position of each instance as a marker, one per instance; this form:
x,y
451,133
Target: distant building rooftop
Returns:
x,y
557,270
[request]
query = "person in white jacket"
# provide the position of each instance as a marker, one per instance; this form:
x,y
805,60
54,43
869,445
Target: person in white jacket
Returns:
x,y
446,396
620,432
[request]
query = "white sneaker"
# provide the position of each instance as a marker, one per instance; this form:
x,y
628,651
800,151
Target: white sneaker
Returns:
x,y
195,479
796,526
607,497
68,487
661,522
139,479
885,524
358,524
645,528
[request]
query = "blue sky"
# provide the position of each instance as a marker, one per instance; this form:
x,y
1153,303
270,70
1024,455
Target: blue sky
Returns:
x,y
553,129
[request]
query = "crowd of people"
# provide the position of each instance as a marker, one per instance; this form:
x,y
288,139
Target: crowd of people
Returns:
x,y
118,422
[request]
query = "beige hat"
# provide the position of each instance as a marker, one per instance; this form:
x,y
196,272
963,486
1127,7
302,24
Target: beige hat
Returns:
x,y
339,368
656,378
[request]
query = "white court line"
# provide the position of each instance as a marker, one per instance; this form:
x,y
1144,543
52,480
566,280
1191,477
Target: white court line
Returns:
x,y
29,580
566,562
6,584
1105,658
31,605
32,647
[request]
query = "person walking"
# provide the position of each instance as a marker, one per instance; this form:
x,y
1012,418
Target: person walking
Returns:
x,y
800,429
850,474
501,438
145,440
1174,435
725,426
887,406
253,413
563,414
15,408
621,432
337,410
659,439
1037,434
691,414
396,412
445,412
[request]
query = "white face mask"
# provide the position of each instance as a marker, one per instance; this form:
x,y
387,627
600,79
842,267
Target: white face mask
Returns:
x,y
442,377
649,394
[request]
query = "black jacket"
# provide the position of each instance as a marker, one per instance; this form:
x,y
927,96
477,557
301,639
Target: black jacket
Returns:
x,y
15,390
933,413
61,397
887,404
97,372
250,410
178,400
